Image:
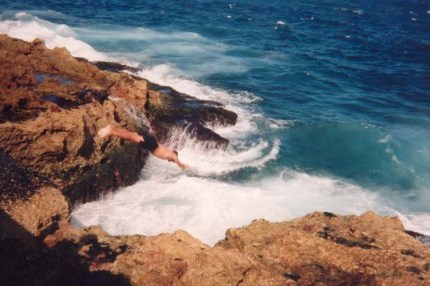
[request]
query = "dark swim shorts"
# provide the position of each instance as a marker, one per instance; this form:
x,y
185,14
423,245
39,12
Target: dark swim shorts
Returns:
x,y
149,143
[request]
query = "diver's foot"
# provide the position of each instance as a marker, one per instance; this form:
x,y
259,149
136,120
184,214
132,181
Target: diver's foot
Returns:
x,y
105,131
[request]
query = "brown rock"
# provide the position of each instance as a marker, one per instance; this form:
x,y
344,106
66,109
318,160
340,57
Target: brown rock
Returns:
x,y
25,260
168,109
42,213
318,249
51,106
65,98
335,250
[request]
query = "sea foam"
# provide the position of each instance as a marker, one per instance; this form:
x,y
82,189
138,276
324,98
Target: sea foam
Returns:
x,y
166,200
27,27
418,222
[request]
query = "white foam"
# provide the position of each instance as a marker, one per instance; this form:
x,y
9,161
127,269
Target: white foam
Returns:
x,y
278,123
279,24
140,33
165,74
28,27
386,139
239,103
417,222
22,16
42,14
168,200
213,162
193,52
168,75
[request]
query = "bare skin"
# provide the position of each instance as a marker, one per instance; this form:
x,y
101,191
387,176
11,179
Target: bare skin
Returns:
x,y
160,152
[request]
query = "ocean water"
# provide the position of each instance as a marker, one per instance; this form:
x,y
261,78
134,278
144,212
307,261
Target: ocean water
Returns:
x,y
333,101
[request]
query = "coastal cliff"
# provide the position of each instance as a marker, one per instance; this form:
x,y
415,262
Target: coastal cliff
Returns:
x,y
51,106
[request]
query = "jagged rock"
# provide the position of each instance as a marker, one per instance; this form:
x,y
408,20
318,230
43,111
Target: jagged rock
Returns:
x,y
26,260
114,67
39,214
318,249
166,259
327,249
62,146
51,106
17,182
166,108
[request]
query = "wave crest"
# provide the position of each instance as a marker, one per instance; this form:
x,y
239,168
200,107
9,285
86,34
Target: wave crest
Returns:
x,y
28,27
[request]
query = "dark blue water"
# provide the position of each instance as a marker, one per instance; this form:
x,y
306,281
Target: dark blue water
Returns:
x,y
353,79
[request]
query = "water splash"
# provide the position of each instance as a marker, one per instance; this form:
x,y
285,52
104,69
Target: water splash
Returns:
x,y
138,116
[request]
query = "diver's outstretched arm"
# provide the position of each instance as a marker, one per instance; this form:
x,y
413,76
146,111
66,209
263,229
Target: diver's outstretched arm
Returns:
x,y
182,165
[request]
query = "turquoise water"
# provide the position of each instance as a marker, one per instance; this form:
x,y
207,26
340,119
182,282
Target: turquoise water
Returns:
x,y
333,102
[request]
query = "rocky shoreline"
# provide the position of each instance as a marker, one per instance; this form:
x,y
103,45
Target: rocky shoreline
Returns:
x,y
51,106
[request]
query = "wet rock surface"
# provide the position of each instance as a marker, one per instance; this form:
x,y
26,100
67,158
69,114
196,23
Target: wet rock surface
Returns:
x,y
423,238
169,108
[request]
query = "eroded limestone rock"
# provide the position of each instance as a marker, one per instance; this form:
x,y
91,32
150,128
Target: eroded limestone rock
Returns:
x,y
52,104
327,249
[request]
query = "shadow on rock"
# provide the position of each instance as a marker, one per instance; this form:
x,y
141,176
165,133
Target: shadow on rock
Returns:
x,y
25,260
